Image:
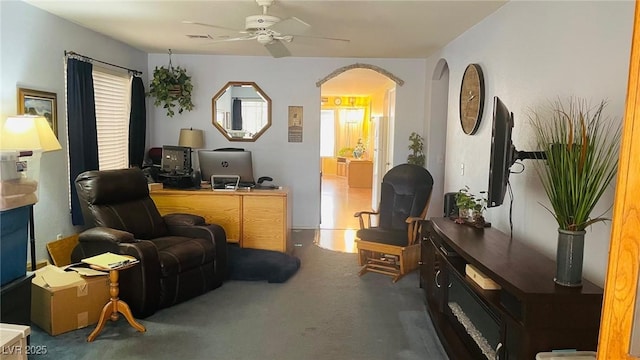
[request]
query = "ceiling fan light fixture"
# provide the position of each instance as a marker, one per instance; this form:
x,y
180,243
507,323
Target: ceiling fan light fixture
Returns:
x,y
265,39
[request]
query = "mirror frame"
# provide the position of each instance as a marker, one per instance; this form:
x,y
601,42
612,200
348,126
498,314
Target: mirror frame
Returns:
x,y
219,94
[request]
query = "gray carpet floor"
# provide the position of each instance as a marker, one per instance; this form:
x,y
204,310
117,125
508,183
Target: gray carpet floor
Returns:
x,y
325,311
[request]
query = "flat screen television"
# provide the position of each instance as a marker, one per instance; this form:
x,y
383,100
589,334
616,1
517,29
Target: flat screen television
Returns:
x,y
229,163
503,153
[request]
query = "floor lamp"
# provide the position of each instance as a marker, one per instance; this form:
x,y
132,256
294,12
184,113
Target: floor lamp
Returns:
x,y
25,138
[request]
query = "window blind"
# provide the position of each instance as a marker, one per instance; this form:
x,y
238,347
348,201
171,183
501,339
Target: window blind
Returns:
x,y
113,103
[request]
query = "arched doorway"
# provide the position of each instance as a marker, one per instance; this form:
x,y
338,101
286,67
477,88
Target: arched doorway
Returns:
x,y
436,132
358,104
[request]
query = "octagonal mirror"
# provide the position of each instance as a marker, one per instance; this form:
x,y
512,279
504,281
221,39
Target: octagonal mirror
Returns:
x,y
241,111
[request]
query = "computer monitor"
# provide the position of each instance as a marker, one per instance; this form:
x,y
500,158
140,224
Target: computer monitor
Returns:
x,y
176,159
231,163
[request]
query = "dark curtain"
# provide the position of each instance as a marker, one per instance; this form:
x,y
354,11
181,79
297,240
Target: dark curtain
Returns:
x,y
236,115
137,123
82,132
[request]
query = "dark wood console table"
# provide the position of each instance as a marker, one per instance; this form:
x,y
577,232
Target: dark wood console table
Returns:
x,y
528,315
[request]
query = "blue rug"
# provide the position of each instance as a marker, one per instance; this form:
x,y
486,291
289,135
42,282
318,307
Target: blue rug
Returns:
x,y
256,264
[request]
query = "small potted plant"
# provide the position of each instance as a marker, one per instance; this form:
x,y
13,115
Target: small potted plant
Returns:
x,y
345,152
464,202
478,209
470,207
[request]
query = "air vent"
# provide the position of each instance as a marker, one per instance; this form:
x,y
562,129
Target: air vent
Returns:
x,y
198,36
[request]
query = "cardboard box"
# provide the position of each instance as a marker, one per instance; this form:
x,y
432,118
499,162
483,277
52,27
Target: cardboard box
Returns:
x,y
63,301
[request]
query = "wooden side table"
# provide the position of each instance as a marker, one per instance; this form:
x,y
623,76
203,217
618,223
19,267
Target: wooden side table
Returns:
x,y
115,305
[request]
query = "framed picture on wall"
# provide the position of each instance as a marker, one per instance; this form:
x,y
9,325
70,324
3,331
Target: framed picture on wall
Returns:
x,y
295,123
42,103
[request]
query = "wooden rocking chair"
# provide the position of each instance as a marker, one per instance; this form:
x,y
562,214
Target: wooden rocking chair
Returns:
x,y
392,248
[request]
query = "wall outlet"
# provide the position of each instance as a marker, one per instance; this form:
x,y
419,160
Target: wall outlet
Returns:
x,y
462,169
59,237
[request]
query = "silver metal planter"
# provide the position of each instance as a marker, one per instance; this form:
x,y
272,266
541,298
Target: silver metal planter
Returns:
x,y
569,258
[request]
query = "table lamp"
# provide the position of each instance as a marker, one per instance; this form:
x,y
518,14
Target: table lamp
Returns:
x,y
191,138
23,139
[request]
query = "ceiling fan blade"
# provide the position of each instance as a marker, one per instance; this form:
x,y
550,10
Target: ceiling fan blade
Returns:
x,y
241,38
277,49
212,26
320,38
292,25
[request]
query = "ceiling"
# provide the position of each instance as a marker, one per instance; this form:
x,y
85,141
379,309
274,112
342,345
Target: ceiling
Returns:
x,y
375,29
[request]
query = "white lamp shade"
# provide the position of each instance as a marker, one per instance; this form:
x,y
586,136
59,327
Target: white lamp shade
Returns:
x,y
193,138
28,132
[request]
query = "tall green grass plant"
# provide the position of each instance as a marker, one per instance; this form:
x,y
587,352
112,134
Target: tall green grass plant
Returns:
x,y
581,146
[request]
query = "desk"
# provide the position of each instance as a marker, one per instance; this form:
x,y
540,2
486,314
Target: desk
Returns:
x,y
259,219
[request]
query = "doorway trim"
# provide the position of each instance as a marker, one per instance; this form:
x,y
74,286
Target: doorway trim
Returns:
x,y
377,69
398,82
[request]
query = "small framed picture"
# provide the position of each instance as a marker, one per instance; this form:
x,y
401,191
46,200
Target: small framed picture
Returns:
x,y
42,103
295,124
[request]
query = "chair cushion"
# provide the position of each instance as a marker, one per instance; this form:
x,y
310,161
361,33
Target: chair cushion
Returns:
x,y
383,236
179,254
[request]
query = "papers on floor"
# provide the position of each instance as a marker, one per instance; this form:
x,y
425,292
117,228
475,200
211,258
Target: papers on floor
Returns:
x,y
110,260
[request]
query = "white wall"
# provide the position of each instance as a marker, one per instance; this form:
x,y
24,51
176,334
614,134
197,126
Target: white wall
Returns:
x,y
287,81
532,52
32,56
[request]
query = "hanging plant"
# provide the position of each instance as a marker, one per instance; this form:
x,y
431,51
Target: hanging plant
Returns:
x,y
170,86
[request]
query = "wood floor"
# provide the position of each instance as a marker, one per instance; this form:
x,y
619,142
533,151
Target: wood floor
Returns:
x,y
339,202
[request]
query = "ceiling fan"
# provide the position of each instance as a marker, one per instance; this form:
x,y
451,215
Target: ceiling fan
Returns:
x,y
269,30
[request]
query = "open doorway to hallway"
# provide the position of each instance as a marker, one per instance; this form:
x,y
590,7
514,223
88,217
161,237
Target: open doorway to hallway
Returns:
x,y
355,116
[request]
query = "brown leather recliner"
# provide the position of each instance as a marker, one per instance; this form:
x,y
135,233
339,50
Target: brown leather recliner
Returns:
x,y
180,256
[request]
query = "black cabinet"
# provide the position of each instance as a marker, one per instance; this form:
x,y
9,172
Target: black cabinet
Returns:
x,y
15,298
430,269
527,315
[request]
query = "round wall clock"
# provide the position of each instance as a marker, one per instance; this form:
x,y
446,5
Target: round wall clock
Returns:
x,y
337,101
471,99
